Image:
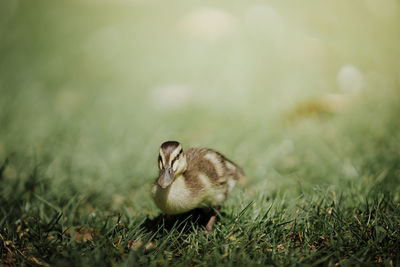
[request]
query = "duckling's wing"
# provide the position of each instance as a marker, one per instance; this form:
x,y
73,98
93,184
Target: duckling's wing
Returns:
x,y
211,171
212,163
231,168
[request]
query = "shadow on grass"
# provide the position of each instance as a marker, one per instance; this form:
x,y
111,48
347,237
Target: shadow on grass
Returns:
x,y
185,222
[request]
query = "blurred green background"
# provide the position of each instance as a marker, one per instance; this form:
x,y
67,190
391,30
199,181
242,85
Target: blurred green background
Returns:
x,y
298,93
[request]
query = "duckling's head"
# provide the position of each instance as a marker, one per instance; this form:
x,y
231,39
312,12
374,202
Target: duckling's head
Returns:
x,y
171,161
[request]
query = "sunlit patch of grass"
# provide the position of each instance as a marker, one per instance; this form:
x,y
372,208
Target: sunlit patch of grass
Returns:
x,y
338,225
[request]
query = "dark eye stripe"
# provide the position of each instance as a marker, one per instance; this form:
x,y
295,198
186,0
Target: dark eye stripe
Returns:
x,y
173,161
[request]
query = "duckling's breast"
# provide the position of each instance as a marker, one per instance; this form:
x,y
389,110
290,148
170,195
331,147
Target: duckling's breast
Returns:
x,y
175,199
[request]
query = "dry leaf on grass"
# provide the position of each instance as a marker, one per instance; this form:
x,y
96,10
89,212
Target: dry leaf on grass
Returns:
x,y
134,245
149,245
38,262
82,234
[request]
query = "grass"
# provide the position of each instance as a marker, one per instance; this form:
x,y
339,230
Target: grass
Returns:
x,y
85,104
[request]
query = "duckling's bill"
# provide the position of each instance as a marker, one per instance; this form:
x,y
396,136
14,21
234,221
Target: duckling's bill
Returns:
x,y
166,177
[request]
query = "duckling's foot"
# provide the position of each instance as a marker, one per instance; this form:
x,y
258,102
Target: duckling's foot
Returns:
x,y
210,223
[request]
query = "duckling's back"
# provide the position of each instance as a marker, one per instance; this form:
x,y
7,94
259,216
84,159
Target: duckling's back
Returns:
x,y
210,175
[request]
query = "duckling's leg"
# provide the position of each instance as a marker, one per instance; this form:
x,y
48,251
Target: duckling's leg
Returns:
x,y
210,223
212,220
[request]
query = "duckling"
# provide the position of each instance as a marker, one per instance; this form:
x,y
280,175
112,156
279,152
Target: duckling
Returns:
x,y
196,178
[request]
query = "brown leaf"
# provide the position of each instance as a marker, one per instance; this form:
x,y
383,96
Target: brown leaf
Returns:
x,y
149,245
37,261
8,259
82,234
134,245
85,234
